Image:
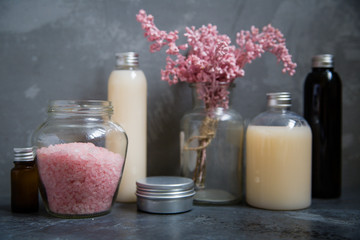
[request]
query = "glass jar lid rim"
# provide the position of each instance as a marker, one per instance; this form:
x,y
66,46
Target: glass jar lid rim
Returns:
x,y
83,106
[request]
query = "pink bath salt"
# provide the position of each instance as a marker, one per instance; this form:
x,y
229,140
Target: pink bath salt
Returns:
x,y
79,178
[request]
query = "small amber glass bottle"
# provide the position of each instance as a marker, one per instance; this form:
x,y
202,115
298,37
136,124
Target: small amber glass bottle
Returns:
x,y
24,182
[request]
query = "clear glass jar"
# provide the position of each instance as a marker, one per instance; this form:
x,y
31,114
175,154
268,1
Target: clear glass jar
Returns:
x,y
278,157
214,161
80,158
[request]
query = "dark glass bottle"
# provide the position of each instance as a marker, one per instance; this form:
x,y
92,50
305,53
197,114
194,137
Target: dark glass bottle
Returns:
x,y
323,112
24,182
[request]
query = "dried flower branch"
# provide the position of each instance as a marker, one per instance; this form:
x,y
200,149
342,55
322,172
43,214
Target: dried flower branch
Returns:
x,y
211,58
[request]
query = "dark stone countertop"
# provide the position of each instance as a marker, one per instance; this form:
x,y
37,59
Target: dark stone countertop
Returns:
x,y
325,219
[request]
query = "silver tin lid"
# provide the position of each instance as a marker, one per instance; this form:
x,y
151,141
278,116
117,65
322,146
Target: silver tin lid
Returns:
x,y
165,195
323,61
165,187
168,183
279,99
24,154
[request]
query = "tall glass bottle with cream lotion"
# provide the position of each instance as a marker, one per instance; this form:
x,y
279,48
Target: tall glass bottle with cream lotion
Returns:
x,y
127,90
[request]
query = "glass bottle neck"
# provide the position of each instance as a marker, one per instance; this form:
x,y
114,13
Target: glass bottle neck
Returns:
x,y
24,163
279,109
198,103
322,69
126,67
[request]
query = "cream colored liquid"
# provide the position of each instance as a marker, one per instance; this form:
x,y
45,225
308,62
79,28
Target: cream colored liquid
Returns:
x,y
127,90
278,167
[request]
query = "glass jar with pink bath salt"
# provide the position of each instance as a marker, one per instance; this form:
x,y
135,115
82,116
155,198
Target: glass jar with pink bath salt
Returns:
x,y
80,155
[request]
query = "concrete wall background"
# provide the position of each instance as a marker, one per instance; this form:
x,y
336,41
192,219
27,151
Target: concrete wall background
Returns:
x,y
65,50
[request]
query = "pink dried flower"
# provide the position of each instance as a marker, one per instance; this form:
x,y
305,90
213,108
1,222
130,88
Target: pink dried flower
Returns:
x,y
211,59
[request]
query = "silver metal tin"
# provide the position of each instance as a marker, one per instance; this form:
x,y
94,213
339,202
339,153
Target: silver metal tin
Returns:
x,y
165,194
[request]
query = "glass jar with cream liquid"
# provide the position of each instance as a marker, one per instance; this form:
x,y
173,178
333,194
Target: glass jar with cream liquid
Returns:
x,y
278,157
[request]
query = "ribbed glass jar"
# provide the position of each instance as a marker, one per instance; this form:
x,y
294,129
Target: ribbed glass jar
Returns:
x,y
80,154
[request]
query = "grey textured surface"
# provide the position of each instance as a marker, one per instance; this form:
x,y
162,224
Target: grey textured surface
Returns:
x,y
326,219
65,50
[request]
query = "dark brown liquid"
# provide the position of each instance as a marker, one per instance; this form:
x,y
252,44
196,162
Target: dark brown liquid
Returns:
x,y
24,188
323,111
